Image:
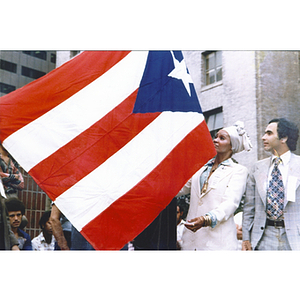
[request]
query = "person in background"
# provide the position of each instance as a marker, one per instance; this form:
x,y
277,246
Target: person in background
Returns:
x,y
271,215
8,241
180,225
77,242
216,191
61,233
16,210
10,173
45,241
12,178
239,233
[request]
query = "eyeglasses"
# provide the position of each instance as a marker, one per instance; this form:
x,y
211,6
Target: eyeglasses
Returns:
x,y
13,215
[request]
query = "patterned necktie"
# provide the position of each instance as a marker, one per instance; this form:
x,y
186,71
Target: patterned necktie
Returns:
x,y
275,194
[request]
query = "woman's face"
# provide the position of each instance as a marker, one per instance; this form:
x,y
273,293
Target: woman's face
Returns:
x,y
222,142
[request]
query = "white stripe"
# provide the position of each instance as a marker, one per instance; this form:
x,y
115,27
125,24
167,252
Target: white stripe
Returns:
x,y
59,126
125,169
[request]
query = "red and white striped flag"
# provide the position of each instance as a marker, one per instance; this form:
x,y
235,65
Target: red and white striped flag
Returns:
x,y
111,137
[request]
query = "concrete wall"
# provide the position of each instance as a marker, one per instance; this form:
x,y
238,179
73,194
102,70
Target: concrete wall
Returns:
x,y
235,93
278,88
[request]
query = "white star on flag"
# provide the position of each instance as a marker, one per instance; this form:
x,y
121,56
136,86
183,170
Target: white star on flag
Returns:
x,y
180,72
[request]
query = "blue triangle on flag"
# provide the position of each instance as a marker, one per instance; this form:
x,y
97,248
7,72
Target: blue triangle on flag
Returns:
x,y
166,85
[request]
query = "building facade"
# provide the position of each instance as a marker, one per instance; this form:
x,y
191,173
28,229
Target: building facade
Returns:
x,y
250,86
18,68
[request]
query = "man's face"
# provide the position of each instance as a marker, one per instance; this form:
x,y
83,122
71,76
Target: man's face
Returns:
x,y
48,227
270,138
15,218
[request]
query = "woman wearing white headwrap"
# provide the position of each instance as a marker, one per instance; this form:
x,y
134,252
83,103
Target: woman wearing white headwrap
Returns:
x,y
216,191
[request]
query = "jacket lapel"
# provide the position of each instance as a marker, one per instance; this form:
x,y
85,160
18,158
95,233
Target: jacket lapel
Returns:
x,y
261,178
294,169
293,180
220,174
261,175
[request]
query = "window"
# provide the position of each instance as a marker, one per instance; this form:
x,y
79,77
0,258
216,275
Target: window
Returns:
x,y
214,120
6,88
35,74
8,66
38,54
53,58
213,66
74,53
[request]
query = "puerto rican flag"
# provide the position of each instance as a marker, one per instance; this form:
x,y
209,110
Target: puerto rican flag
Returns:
x,y
111,137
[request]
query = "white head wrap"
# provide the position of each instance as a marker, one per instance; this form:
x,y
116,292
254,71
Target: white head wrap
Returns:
x,y
239,138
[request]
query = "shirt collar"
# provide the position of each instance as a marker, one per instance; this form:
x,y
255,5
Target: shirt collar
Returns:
x,y
227,162
43,240
284,157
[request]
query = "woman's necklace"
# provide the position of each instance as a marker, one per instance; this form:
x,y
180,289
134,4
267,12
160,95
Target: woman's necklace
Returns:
x,y
213,168
205,184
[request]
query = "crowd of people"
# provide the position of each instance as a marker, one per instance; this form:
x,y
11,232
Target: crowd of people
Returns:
x,y
211,219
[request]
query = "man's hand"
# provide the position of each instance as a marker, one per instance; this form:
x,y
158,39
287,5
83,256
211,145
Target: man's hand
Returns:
x,y
57,229
239,232
246,246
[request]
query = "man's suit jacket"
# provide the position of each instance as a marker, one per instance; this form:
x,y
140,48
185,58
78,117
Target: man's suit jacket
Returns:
x,y
254,215
225,190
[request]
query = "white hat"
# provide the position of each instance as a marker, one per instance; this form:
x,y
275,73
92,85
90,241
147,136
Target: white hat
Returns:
x,y
239,138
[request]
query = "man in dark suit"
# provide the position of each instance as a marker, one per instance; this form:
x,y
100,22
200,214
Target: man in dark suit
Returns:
x,y
271,217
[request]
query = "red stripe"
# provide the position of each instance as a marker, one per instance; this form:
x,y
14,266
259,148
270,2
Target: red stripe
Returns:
x,y
130,214
26,104
89,150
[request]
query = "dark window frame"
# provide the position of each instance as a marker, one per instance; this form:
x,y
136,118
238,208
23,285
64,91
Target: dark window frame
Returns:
x,y
8,66
37,54
213,113
74,53
6,88
32,73
53,58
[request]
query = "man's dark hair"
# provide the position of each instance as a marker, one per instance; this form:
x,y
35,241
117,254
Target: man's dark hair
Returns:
x,y
183,205
44,218
286,128
14,204
181,209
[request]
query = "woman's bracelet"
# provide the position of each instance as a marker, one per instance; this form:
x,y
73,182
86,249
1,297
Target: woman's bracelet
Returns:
x,y
207,221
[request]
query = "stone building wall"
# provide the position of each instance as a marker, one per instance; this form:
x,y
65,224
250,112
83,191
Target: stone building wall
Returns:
x,y
235,93
257,86
278,88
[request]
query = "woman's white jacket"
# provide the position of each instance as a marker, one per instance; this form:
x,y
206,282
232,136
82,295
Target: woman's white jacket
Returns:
x,y
226,187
